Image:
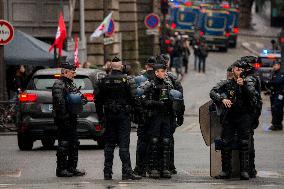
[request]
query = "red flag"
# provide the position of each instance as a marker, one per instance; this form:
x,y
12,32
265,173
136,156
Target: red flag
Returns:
x,y
60,35
76,51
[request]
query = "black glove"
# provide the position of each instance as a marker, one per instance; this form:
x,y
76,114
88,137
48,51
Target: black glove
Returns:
x,y
180,120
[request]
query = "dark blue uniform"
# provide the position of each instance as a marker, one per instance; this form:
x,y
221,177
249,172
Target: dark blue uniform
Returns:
x,y
114,96
276,86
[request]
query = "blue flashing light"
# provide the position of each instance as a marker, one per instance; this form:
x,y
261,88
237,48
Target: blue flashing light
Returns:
x,y
265,51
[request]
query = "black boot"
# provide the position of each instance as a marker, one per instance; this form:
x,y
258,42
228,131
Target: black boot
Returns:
x,y
154,162
172,158
127,173
108,151
244,164
166,158
226,172
73,160
62,153
140,168
252,170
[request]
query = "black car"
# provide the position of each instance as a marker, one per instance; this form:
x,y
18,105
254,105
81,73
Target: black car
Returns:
x,y
264,65
35,119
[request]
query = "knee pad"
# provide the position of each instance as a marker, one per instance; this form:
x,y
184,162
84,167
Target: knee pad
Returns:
x,y
155,141
63,147
166,141
244,144
109,147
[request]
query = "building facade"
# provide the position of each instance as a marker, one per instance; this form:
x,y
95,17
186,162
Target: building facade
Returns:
x,y
40,18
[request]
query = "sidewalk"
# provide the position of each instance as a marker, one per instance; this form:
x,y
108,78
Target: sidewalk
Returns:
x,y
261,26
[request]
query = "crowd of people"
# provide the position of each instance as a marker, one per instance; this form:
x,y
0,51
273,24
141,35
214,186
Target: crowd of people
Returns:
x,y
179,51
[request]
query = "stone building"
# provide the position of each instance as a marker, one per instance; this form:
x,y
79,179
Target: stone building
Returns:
x,y
39,19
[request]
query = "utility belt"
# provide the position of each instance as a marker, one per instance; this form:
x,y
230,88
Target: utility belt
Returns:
x,y
116,108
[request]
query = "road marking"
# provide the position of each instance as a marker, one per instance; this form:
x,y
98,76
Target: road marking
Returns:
x,y
14,174
269,174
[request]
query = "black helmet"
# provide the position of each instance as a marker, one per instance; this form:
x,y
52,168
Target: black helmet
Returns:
x,y
160,66
69,63
249,59
151,61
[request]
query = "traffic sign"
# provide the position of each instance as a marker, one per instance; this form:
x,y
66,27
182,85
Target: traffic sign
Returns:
x,y
152,21
6,32
111,28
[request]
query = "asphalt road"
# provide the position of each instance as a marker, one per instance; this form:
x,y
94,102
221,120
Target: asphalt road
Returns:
x,y
36,168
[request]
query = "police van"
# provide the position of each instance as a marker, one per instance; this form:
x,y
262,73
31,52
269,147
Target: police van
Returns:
x,y
183,17
214,28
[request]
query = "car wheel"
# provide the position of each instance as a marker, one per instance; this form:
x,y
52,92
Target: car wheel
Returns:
x,y
48,142
24,142
101,144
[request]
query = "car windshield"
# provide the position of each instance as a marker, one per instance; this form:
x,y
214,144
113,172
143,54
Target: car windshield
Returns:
x,y
216,22
46,83
268,62
187,17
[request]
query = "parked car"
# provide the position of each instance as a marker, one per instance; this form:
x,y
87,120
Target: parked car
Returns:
x,y
34,117
264,65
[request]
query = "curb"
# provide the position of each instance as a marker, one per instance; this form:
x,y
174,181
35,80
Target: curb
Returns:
x,y
8,133
256,35
246,46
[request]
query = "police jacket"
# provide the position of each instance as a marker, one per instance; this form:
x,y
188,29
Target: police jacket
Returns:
x,y
157,95
114,92
242,97
61,88
276,84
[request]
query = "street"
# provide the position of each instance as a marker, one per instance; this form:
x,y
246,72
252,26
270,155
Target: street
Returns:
x,y
36,168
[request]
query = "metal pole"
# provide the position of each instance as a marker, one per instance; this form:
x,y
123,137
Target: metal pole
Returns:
x,y
105,14
3,89
82,30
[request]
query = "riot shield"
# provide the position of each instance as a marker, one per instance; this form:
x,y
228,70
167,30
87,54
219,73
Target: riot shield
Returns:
x,y
215,156
204,122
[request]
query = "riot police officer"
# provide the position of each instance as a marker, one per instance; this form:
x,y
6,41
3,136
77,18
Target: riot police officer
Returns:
x,y
176,120
114,96
143,125
236,96
67,105
158,103
249,76
276,85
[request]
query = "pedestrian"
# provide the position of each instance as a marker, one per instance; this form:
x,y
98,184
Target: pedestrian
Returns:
x,y
142,130
177,56
236,95
158,106
196,53
66,110
202,55
276,85
114,98
185,54
20,80
87,65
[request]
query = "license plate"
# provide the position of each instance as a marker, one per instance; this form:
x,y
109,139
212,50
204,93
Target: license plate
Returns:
x,y
47,108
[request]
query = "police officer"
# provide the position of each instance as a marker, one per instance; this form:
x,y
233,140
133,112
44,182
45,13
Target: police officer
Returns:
x,y
157,101
64,92
142,141
236,96
249,76
176,120
276,85
114,96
